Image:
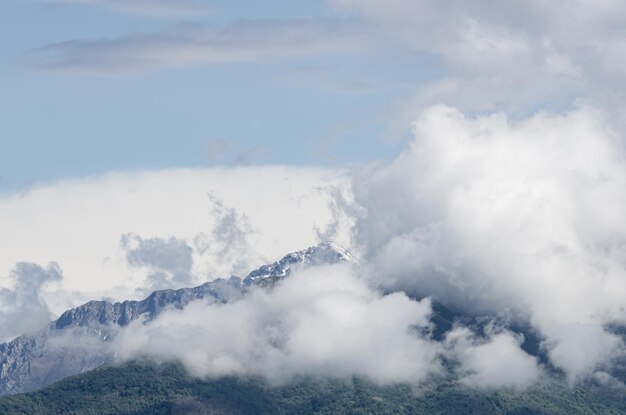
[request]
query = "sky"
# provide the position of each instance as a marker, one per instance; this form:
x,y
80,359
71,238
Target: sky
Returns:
x,y
326,104
467,153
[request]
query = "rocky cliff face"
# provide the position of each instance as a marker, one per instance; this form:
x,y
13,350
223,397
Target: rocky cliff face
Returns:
x,y
122,313
76,342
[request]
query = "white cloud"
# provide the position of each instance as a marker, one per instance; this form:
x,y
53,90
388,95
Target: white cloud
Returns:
x,y
321,321
493,363
494,216
581,348
79,223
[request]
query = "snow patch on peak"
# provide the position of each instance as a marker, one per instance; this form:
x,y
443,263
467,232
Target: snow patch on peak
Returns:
x,y
324,253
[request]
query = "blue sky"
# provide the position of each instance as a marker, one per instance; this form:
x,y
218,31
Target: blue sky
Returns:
x,y
94,86
320,108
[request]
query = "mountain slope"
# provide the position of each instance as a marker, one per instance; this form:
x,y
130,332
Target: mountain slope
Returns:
x,y
36,360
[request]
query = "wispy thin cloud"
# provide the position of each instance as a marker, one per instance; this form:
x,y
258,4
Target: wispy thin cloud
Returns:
x,y
509,56
217,147
252,155
189,44
155,8
22,308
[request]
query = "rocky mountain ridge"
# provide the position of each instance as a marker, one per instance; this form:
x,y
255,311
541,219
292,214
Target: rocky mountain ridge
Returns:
x,y
33,361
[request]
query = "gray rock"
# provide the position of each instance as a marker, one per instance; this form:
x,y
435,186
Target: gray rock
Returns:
x,y
77,341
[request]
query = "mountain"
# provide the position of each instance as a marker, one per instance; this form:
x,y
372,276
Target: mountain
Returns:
x,y
324,253
65,376
33,361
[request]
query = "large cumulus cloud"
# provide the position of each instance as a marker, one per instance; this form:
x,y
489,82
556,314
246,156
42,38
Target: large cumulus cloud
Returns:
x,y
522,217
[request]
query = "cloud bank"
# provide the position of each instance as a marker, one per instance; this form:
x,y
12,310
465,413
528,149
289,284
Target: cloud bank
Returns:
x,y
111,233
517,218
323,321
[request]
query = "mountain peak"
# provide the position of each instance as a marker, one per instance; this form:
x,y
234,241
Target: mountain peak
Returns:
x,y
323,253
